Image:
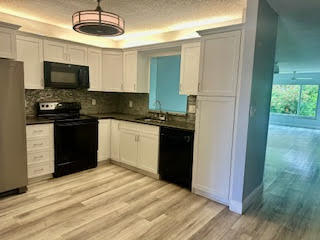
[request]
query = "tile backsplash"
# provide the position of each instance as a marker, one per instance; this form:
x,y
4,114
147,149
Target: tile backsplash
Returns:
x,y
140,103
105,102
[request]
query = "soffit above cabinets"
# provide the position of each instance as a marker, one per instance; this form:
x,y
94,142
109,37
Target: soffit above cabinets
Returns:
x,y
147,21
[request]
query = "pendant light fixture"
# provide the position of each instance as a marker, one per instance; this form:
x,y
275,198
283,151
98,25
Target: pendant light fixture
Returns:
x,y
98,22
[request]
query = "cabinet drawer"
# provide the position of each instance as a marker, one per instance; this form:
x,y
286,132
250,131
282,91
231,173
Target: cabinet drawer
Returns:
x,y
39,169
39,156
41,130
38,144
138,127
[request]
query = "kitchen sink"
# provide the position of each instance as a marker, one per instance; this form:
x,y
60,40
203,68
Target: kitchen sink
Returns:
x,y
150,119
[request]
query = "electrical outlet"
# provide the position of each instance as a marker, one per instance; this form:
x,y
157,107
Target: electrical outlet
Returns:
x,y
130,104
192,109
93,102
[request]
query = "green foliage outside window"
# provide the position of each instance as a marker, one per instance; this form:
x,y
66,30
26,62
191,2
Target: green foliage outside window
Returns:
x,y
298,100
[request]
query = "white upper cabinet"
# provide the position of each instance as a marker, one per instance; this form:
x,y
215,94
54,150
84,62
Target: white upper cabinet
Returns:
x,y
135,70
130,68
8,40
57,51
219,63
30,52
95,68
104,141
213,147
112,62
77,54
189,70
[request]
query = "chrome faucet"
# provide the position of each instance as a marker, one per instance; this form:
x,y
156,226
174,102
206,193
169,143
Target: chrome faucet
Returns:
x,y
162,116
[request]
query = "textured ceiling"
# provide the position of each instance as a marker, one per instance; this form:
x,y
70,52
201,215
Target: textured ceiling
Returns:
x,y
298,45
140,15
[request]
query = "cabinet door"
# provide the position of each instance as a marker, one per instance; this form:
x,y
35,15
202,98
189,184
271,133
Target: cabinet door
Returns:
x,y
213,146
130,66
77,54
95,70
115,140
189,70
104,140
219,64
129,147
112,63
30,52
7,43
148,153
55,51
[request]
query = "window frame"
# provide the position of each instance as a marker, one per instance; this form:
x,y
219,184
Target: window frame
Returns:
x,y
163,53
317,111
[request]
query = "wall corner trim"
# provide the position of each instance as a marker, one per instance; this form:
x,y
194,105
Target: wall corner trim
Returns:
x,y
239,207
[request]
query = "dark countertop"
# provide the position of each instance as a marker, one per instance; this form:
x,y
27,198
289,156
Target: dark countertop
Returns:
x,y
31,120
133,118
121,116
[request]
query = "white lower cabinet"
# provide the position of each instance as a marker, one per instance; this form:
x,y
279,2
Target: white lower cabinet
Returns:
x,y
139,145
148,152
115,140
129,147
213,147
40,150
104,139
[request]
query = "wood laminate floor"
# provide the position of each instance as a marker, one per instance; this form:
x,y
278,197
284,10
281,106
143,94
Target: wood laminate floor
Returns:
x,y
114,203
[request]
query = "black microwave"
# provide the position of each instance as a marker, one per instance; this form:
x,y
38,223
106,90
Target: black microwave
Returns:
x,y
60,75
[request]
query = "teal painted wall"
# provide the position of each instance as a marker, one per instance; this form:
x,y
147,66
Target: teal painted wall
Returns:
x,y
164,84
261,89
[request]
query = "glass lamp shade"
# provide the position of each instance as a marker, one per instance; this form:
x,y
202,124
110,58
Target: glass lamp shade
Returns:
x,y
98,23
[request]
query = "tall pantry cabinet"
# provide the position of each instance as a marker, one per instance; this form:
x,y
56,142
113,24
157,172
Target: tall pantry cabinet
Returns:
x,y
219,65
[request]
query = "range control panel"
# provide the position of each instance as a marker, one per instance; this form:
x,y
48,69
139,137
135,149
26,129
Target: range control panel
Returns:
x,y
48,106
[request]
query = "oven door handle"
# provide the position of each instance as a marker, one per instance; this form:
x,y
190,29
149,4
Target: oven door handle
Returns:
x,y
70,124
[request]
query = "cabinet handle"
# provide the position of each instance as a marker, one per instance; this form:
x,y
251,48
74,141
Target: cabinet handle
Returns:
x,y
38,157
134,87
38,170
37,144
37,131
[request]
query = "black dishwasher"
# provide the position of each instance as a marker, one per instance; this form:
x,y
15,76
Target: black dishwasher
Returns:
x,y
176,156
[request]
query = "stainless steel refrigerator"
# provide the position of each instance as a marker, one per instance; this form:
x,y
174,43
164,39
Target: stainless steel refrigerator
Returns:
x,y
13,150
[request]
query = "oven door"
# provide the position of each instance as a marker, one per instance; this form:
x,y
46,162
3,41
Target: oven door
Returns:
x,y
76,146
59,75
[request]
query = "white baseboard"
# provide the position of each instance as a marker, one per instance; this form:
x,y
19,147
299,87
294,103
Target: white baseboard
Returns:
x,y
235,206
241,207
210,196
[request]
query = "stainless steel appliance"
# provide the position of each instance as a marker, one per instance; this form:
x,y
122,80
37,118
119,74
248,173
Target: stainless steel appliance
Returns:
x,y
176,156
13,150
60,75
75,137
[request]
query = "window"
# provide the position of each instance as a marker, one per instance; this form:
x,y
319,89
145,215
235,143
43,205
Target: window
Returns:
x,y
299,100
165,84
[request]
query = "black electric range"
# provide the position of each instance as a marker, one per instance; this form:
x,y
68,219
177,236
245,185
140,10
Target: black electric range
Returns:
x,y
75,136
